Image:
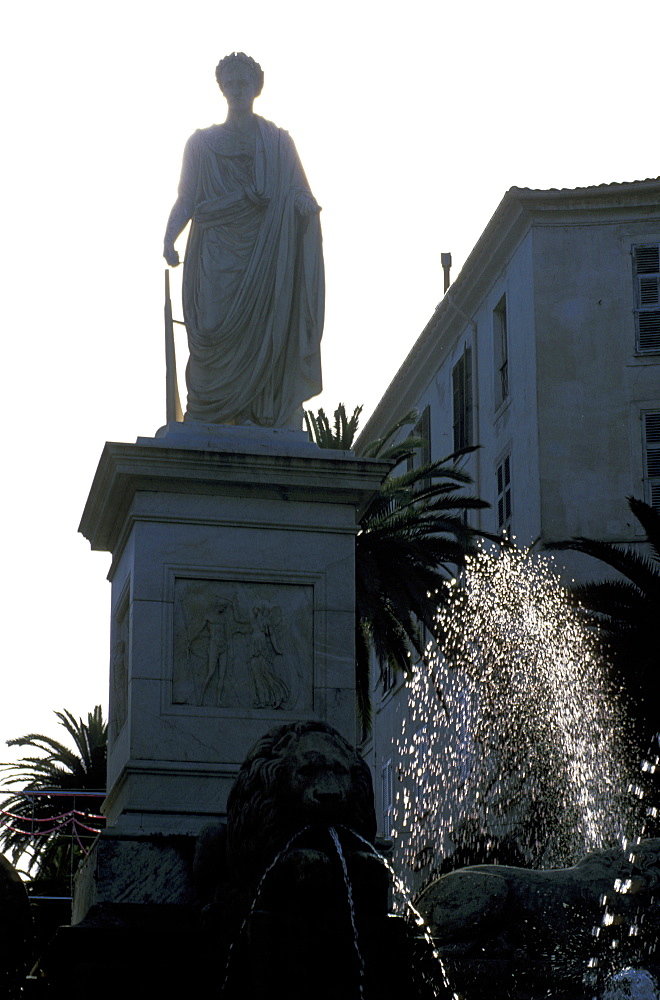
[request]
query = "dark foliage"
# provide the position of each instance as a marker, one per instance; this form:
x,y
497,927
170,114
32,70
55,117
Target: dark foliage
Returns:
x,y
412,538
54,846
342,432
625,613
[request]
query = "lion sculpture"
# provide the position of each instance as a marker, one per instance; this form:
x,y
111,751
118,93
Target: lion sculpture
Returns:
x,y
302,895
300,775
502,929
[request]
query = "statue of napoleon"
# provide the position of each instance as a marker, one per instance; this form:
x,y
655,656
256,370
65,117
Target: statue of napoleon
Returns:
x,y
253,280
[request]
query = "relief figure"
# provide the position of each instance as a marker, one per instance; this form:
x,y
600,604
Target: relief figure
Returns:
x,y
239,645
270,689
119,674
213,641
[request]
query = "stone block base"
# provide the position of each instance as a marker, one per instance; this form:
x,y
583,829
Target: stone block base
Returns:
x,y
133,871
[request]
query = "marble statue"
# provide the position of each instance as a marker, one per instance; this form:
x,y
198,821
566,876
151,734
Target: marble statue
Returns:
x,y
253,279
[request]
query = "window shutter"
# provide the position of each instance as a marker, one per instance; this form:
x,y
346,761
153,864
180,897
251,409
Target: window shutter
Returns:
x,y
646,262
462,396
652,456
468,396
504,506
655,496
425,432
652,437
647,258
649,291
501,352
422,455
459,402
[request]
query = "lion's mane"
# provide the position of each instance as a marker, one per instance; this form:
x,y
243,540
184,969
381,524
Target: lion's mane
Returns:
x,y
261,816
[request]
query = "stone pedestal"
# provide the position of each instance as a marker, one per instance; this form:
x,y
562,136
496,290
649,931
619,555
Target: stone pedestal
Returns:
x,y
232,607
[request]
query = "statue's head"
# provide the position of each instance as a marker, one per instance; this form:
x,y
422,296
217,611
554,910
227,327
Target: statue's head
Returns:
x,y
238,62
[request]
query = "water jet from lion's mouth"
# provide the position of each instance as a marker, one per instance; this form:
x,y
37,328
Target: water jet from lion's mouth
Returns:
x,y
260,885
410,906
312,837
283,914
351,906
314,829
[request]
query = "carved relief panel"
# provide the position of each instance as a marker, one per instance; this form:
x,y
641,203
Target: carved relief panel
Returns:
x,y
240,645
119,669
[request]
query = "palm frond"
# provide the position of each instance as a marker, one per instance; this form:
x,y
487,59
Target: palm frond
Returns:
x,y
363,675
374,449
649,518
641,570
340,435
56,768
624,613
421,479
411,539
57,752
619,600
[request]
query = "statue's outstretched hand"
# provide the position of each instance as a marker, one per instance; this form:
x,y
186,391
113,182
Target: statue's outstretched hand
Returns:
x,y
307,204
171,255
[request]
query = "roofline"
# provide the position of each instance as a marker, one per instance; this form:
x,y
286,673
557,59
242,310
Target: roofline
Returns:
x,y
510,219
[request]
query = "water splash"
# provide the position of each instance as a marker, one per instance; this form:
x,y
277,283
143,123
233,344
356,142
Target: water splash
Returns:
x,y
417,917
631,984
627,982
510,750
351,906
253,905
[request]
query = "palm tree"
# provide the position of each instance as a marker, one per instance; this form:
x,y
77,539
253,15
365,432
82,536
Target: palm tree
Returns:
x,y
341,435
53,828
625,613
411,540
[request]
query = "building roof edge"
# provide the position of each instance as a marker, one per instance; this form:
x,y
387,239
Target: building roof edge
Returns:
x,y
516,206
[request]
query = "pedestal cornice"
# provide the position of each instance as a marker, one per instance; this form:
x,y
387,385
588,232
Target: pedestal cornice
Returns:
x,y
325,476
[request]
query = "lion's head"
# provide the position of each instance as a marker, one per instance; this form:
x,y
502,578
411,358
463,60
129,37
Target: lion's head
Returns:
x,y
297,775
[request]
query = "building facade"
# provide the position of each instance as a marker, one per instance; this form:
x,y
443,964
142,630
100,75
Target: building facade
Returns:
x,y
545,352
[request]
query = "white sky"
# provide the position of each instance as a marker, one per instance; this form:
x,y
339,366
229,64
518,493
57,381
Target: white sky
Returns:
x,y
411,120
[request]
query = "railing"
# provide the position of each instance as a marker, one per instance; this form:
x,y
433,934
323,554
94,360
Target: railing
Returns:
x,y
79,823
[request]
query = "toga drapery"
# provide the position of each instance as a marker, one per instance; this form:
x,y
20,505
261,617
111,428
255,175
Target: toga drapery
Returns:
x,y
253,283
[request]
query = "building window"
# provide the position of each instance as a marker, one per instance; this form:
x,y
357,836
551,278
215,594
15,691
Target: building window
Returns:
x,y
501,352
387,678
422,455
646,266
387,784
462,390
504,494
651,430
